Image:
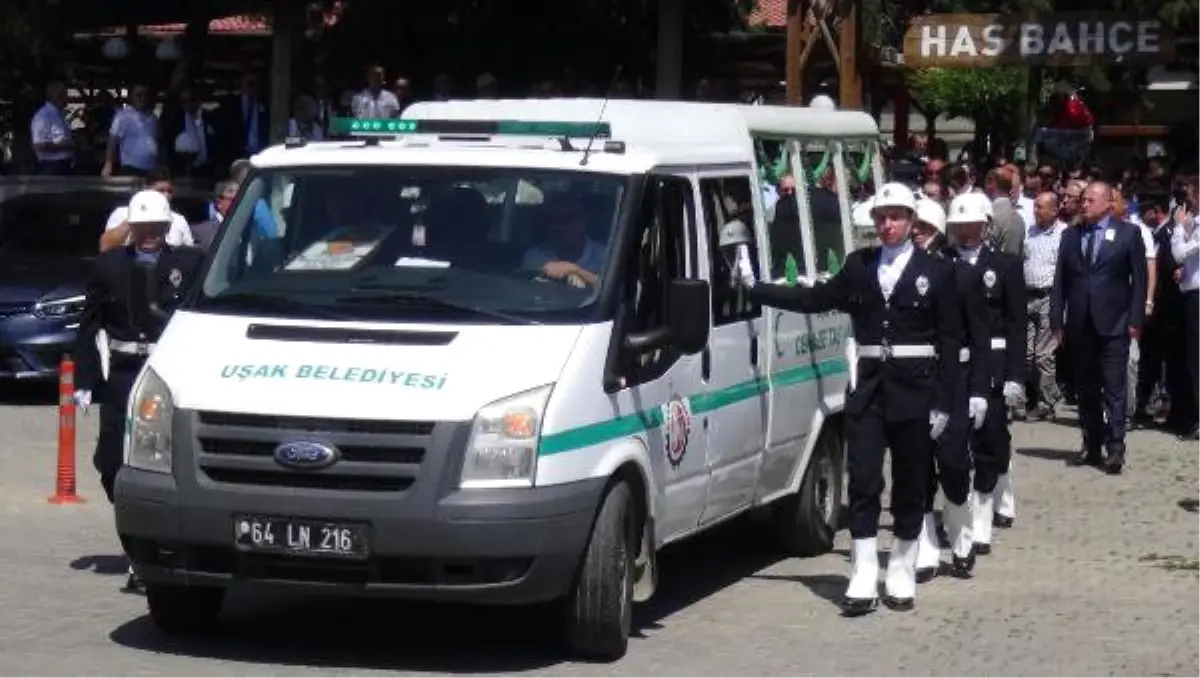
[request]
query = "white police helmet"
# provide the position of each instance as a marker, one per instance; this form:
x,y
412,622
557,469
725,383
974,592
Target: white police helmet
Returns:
x,y
733,233
969,208
931,213
895,194
861,216
149,207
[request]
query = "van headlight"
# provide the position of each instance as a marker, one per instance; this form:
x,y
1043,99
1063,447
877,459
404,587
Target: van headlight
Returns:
x,y
151,410
502,449
57,308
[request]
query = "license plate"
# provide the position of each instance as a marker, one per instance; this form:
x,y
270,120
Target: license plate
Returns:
x,y
296,536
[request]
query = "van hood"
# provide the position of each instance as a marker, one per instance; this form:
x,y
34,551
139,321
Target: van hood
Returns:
x,y
209,363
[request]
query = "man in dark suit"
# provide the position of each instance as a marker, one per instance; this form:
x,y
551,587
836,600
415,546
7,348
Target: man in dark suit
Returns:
x,y
188,137
243,122
1097,304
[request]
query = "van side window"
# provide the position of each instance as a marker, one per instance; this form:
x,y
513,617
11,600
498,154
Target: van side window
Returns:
x,y
825,204
661,252
782,205
726,199
860,159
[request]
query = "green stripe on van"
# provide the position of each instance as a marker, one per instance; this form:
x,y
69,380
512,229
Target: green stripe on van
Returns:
x,y
707,401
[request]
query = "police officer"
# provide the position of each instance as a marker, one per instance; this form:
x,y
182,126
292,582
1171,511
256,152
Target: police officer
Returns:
x,y
130,296
1001,284
905,312
950,464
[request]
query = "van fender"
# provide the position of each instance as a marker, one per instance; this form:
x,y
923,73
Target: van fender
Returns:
x,y
632,450
831,404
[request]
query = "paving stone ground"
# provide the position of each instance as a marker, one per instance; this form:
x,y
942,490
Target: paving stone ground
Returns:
x,y
1073,589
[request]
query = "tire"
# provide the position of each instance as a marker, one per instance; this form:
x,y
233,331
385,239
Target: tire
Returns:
x,y
599,609
184,609
807,522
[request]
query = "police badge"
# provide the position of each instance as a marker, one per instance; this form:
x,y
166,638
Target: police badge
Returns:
x,y
989,278
175,277
922,285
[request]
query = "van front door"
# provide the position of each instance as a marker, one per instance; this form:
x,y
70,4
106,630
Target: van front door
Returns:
x,y
737,391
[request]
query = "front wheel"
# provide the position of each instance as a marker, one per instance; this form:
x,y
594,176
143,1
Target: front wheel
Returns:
x,y
599,610
184,609
806,522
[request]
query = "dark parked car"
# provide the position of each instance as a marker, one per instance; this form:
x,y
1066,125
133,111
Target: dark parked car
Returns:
x,y
49,236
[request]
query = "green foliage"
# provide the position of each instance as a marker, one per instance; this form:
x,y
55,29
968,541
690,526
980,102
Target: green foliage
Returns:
x,y
991,97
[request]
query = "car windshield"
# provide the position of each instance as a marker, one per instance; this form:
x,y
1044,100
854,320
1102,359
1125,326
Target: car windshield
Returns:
x,y
496,245
54,225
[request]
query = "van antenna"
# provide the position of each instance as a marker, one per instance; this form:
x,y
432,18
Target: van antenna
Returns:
x,y
596,131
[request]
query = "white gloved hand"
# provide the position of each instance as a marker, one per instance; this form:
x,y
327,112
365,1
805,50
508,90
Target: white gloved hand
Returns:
x,y
1013,393
83,400
977,409
937,424
745,272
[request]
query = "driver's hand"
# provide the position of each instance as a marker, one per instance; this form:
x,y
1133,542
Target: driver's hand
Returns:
x,y
557,270
575,281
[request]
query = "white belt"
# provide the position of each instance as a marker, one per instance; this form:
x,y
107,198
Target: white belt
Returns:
x,y
898,351
998,344
130,347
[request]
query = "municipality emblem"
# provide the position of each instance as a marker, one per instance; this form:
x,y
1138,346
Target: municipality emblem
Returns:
x,y
175,277
989,278
922,285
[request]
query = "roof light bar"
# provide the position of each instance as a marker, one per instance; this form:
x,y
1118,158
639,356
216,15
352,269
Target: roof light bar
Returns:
x,y
374,127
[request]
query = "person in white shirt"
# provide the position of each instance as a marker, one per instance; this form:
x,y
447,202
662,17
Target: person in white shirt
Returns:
x,y
50,130
303,123
1185,247
375,101
133,138
1042,241
117,232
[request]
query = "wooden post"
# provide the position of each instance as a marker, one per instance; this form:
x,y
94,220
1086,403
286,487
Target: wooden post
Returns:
x,y
901,107
284,22
1033,101
849,77
793,63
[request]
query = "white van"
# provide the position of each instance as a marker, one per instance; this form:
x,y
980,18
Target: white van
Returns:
x,y
493,353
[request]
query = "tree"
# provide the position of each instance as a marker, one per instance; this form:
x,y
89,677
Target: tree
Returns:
x,y
992,98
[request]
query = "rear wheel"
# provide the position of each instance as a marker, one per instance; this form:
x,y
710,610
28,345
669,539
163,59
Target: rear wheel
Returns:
x,y
599,610
806,523
184,609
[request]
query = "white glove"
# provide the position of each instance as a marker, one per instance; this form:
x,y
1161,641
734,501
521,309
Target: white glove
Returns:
x,y
83,400
745,272
937,424
1013,393
977,409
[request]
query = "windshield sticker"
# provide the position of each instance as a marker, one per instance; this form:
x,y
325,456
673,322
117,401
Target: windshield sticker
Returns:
x,y
419,262
358,375
341,250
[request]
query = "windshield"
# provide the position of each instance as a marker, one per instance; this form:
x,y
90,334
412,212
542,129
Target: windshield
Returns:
x,y
496,245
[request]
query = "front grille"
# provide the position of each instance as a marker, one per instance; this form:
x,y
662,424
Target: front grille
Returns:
x,y
375,456
7,310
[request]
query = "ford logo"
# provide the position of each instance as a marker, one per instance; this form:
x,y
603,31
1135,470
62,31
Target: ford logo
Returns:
x,y
306,455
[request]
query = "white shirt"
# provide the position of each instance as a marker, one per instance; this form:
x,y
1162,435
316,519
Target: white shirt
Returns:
x,y
50,126
892,261
1024,207
1041,254
969,255
179,234
193,137
312,133
368,104
1186,250
136,135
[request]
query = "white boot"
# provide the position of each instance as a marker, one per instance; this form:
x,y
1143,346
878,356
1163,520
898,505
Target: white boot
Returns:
x,y
981,531
959,527
862,595
1006,503
929,552
900,585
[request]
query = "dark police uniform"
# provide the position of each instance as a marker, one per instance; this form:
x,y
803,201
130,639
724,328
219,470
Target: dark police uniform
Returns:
x,y
133,319
1000,283
951,463
907,356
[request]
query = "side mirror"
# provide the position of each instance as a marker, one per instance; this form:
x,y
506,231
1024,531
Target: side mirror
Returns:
x,y
689,314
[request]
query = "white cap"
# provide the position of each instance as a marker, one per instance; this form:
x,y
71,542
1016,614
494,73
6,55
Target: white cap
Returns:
x,y
149,207
861,216
969,208
931,213
895,195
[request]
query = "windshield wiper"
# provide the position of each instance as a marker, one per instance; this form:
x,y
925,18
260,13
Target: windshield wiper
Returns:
x,y
418,299
274,302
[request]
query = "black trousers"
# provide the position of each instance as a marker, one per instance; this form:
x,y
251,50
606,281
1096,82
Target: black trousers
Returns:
x,y
1178,382
1152,348
950,462
1101,375
868,435
110,444
1191,315
992,444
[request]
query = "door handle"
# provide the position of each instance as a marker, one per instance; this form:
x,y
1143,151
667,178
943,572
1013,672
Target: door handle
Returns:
x,y
705,364
754,351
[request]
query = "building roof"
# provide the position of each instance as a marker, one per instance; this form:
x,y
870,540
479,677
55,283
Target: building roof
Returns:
x,y
769,14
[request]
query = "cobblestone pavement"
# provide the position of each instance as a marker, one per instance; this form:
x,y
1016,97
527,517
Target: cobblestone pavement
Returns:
x,y
1078,587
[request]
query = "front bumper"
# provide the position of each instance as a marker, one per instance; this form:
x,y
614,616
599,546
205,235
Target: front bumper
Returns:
x,y
427,539
32,347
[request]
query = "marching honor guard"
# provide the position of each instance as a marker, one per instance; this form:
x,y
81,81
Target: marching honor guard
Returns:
x,y
130,296
950,464
1001,284
905,312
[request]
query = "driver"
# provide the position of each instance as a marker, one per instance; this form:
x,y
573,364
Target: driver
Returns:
x,y
568,254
